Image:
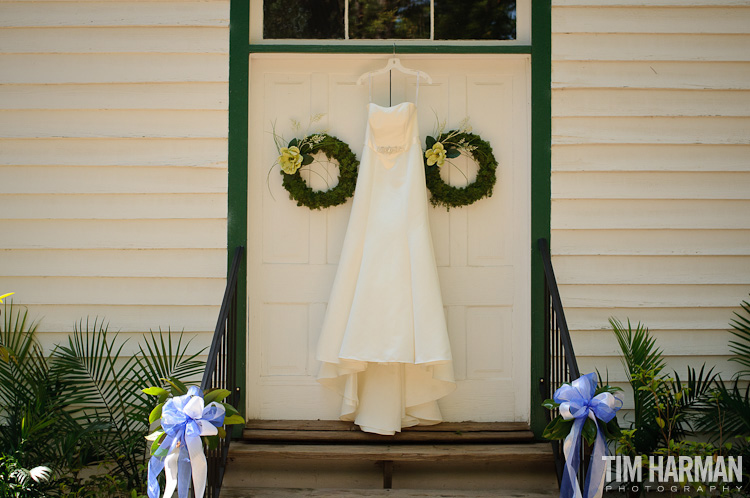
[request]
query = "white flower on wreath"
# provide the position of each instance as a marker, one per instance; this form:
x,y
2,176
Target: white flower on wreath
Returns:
x,y
435,155
290,159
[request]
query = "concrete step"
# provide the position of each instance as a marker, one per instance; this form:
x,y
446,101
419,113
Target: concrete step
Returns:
x,y
391,493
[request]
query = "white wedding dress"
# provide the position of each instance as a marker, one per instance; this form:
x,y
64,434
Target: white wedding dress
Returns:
x,y
384,344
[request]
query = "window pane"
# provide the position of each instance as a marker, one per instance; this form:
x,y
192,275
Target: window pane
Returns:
x,y
397,19
310,19
475,19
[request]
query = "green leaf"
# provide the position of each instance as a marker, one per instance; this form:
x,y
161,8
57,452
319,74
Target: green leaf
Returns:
x,y
559,428
215,395
156,447
660,422
589,431
222,432
155,413
293,143
611,429
550,404
178,388
229,409
452,153
155,391
212,442
430,142
234,419
306,159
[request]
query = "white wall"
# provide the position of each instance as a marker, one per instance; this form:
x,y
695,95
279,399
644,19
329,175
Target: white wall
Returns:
x,y
651,173
113,162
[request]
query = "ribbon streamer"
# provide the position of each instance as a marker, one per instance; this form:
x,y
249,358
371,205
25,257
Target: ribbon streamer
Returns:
x,y
184,420
578,403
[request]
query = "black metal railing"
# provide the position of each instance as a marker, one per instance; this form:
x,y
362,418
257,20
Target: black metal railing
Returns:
x,y
221,372
560,363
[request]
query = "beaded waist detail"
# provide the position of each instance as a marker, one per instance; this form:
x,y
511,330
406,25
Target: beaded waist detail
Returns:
x,y
387,149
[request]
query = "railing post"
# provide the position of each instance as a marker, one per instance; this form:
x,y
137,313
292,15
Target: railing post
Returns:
x,y
560,364
220,371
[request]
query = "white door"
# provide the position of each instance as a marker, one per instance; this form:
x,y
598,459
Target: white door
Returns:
x,y
482,250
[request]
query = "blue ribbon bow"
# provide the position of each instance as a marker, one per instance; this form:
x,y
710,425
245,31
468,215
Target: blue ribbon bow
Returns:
x,y
184,420
578,403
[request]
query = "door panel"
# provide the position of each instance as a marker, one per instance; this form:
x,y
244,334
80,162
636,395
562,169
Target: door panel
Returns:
x,y
481,250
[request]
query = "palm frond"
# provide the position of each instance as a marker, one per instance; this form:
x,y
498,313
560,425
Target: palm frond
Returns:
x,y
638,347
741,330
727,414
160,359
696,398
103,383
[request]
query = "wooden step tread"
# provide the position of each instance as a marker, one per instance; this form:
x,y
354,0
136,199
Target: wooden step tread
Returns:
x,y
393,493
312,431
529,452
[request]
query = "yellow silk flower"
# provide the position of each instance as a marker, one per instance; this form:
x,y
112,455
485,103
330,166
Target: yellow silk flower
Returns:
x,y
290,159
435,155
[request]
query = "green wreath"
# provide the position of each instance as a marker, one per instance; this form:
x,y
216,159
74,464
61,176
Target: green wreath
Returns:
x,y
334,149
450,145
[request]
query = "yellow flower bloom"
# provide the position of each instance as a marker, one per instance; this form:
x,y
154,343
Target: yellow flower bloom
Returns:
x,y
5,295
290,159
435,155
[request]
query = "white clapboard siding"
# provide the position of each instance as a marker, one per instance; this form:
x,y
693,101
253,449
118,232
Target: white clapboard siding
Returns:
x,y
651,214
651,3
113,68
112,206
651,185
686,342
690,322
114,234
113,13
60,123
113,163
667,130
194,320
114,40
649,102
651,47
652,269
650,157
202,153
112,180
167,96
653,74
584,19
98,262
680,242
651,174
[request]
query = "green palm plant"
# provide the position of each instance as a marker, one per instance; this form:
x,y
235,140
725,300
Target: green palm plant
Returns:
x,y
665,408
728,414
741,346
105,385
101,381
32,406
639,354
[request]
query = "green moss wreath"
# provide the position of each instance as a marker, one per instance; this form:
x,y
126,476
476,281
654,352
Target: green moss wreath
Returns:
x,y
457,141
334,149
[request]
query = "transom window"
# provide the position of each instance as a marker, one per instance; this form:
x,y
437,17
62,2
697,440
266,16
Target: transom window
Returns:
x,y
331,21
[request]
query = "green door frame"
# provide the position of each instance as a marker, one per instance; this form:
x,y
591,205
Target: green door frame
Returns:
x,y
541,133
